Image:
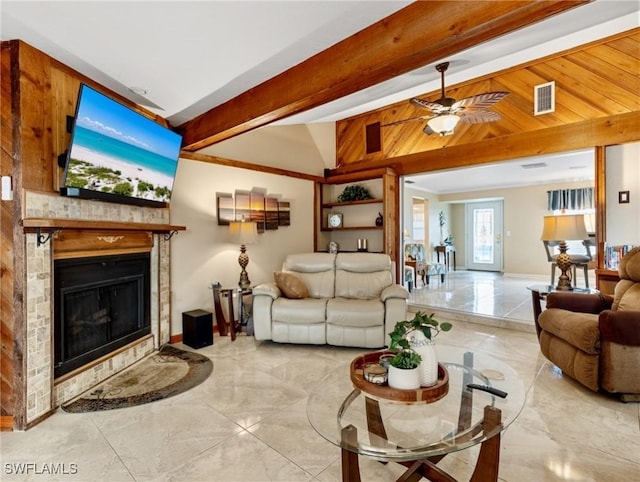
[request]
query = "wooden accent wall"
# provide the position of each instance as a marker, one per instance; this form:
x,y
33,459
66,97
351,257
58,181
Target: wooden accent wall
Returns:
x,y
38,93
7,253
597,89
391,195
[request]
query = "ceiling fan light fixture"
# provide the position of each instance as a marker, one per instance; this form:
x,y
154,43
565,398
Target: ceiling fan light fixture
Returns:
x,y
443,124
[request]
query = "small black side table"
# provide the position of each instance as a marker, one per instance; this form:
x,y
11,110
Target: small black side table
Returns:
x,y
231,324
540,292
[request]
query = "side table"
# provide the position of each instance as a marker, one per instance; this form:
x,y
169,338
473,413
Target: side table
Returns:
x,y
446,250
230,323
540,292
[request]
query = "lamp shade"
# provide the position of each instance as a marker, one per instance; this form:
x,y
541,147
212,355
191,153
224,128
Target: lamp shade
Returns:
x,y
563,228
241,232
443,124
590,222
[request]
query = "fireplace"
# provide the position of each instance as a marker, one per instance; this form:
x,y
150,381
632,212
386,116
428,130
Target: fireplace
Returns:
x,y
100,304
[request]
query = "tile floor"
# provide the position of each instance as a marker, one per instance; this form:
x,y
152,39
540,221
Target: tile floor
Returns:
x,y
248,422
483,297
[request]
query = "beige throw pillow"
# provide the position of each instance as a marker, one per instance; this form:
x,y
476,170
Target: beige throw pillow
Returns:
x,y
290,285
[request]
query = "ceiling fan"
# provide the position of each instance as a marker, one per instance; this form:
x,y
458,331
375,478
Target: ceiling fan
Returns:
x,y
446,112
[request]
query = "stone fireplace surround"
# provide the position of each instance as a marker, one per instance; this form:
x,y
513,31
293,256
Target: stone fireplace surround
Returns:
x,y
43,393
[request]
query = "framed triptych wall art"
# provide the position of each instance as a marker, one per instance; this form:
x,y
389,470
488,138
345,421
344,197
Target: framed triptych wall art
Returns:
x,y
267,211
284,213
257,210
225,209
243,206
271,212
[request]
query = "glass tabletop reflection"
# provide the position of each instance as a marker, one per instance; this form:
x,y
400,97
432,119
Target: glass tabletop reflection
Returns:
x,y
389,430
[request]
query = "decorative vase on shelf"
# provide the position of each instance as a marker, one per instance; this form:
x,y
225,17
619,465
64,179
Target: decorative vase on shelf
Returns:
x,y
404,378
429,365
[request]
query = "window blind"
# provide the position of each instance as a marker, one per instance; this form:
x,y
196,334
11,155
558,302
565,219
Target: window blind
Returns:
x,y
570,199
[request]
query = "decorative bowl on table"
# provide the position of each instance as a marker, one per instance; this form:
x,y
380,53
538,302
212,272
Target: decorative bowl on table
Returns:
x,y
375,373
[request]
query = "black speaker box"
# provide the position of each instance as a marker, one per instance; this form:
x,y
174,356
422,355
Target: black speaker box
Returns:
x,y
197,328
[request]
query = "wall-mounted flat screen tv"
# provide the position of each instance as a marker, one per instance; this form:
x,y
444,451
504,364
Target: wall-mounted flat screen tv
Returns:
x,y
119,155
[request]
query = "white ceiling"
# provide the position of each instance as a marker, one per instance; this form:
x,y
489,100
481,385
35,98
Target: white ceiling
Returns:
x,y
571,166
190,56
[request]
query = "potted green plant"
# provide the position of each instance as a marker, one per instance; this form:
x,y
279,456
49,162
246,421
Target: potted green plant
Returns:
x,y
354,192
404,370
415,337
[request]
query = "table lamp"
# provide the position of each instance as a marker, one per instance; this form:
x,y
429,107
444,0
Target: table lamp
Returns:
x,y
243,233
563,228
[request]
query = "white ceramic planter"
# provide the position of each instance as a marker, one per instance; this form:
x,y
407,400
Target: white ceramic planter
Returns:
x,y
404,379
429,366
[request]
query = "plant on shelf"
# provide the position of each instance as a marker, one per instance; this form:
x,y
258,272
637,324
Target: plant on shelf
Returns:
x,y
354,192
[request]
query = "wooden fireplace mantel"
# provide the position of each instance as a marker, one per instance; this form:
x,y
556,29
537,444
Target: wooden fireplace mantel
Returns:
x,y
32,225
51,225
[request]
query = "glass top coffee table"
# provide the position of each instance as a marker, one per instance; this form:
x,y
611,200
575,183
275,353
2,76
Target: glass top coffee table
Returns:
x,y
419,434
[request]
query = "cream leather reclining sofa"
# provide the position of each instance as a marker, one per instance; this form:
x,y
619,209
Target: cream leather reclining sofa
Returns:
x,y
352,301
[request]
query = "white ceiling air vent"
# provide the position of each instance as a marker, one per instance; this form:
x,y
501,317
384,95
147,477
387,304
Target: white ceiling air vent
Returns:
x,y
544,98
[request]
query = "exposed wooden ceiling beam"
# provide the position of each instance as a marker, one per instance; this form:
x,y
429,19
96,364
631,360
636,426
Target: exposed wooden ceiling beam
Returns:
x,y
221,161
417,35
602,131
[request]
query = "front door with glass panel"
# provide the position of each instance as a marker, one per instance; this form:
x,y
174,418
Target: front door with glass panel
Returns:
x,y
484,236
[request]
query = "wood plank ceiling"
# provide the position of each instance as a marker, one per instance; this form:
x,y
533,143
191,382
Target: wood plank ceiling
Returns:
x,y
599,80
421,33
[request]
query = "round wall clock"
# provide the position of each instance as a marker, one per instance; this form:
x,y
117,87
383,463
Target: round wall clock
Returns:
x,y
335,220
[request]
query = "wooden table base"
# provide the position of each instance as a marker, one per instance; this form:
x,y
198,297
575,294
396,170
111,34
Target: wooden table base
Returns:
x,y
486,469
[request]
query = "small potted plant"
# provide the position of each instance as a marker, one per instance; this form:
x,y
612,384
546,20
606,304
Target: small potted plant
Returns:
x,y
404,370
416,337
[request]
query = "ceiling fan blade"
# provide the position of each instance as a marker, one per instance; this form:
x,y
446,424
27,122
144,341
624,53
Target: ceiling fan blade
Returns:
x,y
411,119
480,116
472,110
480,101
435,107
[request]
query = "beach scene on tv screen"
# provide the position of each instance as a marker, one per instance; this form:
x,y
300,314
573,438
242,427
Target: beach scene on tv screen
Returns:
x,y
116,150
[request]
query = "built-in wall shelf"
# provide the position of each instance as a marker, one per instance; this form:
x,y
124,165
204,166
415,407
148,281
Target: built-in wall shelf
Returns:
x,y
352,228
352,203
50,225
360,220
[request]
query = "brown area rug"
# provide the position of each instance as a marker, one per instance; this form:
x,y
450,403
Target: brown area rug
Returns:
x,y
168,372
